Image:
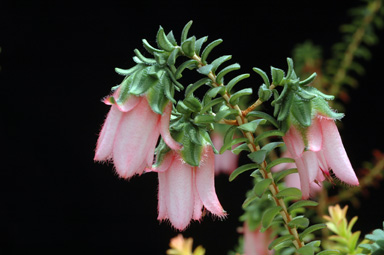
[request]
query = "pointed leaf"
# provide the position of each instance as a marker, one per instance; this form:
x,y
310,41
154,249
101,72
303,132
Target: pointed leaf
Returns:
x,y
261,186
257,156
208,50
191,88
311,229
231,143
205,69
224,113
235,80
217,62
299,222
265,116
263,75
242,169
278,176
216,90
188,46
212,103
269,215
279,240
184,33
204,119
268,134
199,43
163,42
308,80
220,75
187,64
252,126
150,48
240,148
289,192
238,94
277,76
279,161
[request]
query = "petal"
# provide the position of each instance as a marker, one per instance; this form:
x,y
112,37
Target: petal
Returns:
x,y
292,180
314,135
304,180
335,154
162,193
164,128
310,163
133,139
165,164
198,205
205,183
294,142
129,104
179,199
107,135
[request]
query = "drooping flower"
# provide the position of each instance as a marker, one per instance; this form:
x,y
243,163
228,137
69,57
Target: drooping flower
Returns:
x,y
130,134
227,162
316,150
256,242
184,189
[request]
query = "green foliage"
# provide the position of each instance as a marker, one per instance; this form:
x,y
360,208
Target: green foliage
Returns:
x,y
376,242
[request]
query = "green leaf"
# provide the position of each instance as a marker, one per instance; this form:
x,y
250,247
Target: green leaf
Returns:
x,y
172,57
258,156
224,113
171,38
205,69
302,111
264,93
188,46
308,80
204,119
228,136
217,62
145,79
193,103
263,75
328,252
212,103
238,94
300,204
240,148
169,89
150,48
311,229
124,90
199,43
148,61
278,176
191,88
252,126
191,152
187,64
163,42
173,79
279,161
235,80
265,116
127,72
269,215
242,169
231,143
277,76
306,250
222,73
279,240
156,98
268,134
216,90
299,222
261,186
271,146
208,50
184,33
193,133
286,107
290,73
289,192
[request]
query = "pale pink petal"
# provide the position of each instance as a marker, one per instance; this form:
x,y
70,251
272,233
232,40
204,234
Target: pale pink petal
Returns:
x,y
227,162
304,179
256,242
198,205
133,140
335,154
179,199
151,145
314,135
310,163
322,162
107,135
294,142
205,183
292,180
165,164
164,128
129,104
162,194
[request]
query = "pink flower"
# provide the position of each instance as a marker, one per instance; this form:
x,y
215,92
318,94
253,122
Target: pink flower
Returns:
x,y
227,162
130,133
184,189
317,150
293,180
256,242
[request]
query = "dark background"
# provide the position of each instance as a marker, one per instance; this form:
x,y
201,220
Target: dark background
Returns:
x,y
58,61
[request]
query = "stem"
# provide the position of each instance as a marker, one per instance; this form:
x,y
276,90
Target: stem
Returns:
x,y
241,119
352,47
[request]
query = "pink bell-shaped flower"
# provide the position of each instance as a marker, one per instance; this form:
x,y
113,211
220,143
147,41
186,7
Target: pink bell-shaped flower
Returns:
x,y
256,242
130,134
184,190
316,150
227,162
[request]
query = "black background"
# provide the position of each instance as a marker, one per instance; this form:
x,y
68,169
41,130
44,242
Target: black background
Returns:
x,y
58,61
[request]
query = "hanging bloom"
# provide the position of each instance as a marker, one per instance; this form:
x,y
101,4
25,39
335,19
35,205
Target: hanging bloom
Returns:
x,y
256,242
184,189
130,134
227,162
293,180
318,149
